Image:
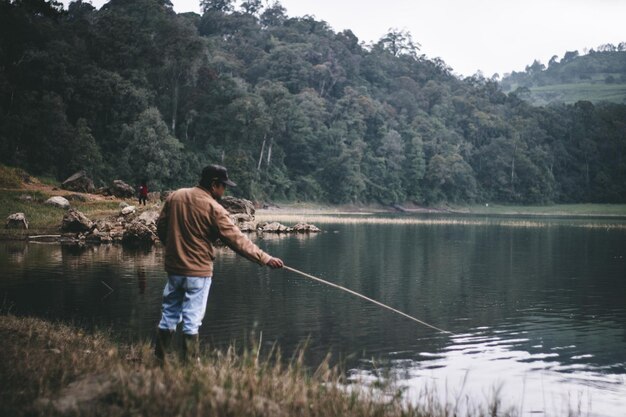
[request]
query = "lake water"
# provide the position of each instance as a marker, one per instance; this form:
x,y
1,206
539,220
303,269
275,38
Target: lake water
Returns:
x,y
538,312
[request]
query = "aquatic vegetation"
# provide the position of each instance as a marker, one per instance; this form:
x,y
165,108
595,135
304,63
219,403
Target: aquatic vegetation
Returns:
x,y
441,221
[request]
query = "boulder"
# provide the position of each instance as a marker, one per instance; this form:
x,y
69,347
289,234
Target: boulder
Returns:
x,y
104,225
25,197
75,221
148,217
139,233
103,191
237,205
128,210
121,190
58,201
16,221
241,218
79,182
117,235
94,237
244,222
97,236
247,226
124,204
305,228
276,227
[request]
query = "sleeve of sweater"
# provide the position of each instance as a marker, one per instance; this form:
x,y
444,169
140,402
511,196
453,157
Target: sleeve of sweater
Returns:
x,y
236,240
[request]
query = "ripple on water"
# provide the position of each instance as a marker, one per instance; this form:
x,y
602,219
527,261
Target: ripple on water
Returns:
x,y
539,311
553,382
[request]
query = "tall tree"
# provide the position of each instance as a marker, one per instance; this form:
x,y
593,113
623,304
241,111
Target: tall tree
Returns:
x,y
223,6
151,151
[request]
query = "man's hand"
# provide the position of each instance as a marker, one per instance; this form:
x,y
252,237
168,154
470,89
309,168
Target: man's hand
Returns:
x,y
275,263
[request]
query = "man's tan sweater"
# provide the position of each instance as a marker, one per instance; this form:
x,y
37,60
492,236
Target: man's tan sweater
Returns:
x,y
190,221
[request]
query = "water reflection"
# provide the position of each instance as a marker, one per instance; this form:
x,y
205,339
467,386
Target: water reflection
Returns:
x,y
532,381
141,279
540,310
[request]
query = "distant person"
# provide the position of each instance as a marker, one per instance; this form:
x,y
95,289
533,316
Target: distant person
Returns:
x,y
143,192
190,222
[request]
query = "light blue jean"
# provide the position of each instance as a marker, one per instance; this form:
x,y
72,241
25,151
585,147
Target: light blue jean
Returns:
x,y
184,300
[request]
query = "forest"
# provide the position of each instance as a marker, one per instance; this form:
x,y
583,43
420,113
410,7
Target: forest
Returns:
x,y
596,75
606,62
294,109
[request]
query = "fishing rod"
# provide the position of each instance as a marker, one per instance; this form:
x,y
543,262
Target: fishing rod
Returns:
x,y
378,303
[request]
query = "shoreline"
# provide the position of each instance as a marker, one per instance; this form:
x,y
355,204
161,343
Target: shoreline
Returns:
x,y
583,210
45,220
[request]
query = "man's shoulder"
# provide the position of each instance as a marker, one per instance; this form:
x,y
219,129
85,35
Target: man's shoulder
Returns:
x,y
191,192
195,196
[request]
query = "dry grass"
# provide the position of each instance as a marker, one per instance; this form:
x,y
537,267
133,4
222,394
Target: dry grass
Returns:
x,y
565,210
53,369
16,185
10,177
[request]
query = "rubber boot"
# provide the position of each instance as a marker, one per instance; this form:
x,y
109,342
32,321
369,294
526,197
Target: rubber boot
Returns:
x,y
163,346
191,349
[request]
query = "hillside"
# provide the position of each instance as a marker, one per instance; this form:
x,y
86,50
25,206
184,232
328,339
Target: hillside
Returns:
x,y
598,76
295,110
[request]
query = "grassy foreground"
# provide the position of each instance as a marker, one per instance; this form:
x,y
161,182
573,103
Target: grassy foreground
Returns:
x,y
53,369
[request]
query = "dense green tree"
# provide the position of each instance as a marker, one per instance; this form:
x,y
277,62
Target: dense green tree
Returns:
x,y
399,42
415,167
387,169
273,15
223,6
449,178
151,151
85,152
252,7
294,109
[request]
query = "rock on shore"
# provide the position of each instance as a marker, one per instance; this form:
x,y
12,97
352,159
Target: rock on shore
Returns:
x,y
58,201
275,227
133,226
79,182
75,221
137,232
238,205
16,221
122,190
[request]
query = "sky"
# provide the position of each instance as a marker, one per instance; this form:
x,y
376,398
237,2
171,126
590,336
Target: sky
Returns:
x,y
493,36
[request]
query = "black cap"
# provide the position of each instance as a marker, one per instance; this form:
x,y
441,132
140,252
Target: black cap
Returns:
x,y
215,173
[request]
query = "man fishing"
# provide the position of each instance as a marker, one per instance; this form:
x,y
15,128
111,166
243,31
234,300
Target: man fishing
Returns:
x,y
190,222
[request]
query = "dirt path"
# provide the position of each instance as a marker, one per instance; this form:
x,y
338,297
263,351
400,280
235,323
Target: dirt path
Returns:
x,y
49,189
